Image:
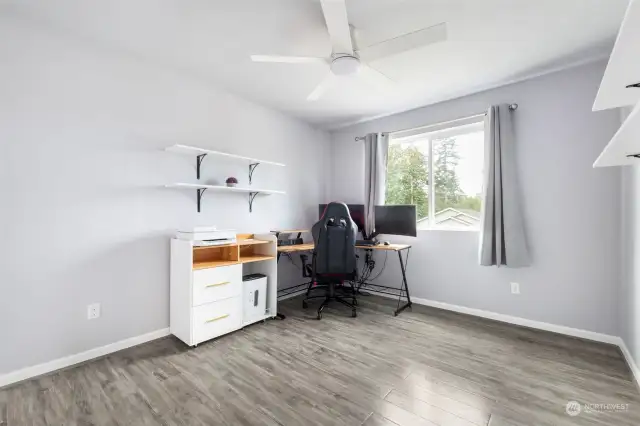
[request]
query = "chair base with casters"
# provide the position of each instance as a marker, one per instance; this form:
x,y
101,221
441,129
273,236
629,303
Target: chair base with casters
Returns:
x,y
331,295
329,286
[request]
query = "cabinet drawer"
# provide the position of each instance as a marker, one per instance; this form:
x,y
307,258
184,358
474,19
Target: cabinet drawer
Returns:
x,y
217,318
210,285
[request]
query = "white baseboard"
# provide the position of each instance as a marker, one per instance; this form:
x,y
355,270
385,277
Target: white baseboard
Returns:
x,y
60,363
632,362
569,331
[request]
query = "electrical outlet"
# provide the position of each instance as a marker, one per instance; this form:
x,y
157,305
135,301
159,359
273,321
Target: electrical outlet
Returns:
x,y
515,288
93,311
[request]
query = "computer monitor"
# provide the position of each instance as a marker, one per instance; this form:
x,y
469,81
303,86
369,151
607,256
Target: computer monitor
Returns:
x,y
396,220
355,210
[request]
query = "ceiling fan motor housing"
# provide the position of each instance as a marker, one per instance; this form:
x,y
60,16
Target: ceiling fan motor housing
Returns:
x,y
345,65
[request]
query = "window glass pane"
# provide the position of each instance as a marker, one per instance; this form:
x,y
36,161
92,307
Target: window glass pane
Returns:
x,y
408,175
458,160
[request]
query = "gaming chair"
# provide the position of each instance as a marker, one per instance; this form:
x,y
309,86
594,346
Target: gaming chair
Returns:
x,y
334,258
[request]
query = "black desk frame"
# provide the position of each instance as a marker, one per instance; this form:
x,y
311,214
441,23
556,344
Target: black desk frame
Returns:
x,y
400,292
289,290
278,314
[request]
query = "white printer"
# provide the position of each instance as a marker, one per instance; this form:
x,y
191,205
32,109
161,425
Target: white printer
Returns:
x,y
207,236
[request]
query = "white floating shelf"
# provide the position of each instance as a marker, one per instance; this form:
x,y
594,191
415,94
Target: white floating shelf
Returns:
x,y
622,75
192,150
624,145
224,188
200,189
201,153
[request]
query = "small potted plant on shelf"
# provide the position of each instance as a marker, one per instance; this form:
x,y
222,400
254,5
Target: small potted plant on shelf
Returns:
x,y
231,181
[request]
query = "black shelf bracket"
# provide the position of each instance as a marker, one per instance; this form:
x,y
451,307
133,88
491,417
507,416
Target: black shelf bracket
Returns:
x,y
636,85
252,196
252,167
634,155
200,192
198,164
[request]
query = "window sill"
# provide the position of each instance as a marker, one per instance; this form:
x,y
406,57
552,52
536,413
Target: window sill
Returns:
x,y
449,230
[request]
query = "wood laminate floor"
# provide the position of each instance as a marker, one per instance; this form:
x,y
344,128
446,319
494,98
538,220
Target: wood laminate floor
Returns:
x,y
424,367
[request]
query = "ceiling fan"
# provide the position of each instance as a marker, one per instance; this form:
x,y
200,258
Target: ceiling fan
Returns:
x,y
346,58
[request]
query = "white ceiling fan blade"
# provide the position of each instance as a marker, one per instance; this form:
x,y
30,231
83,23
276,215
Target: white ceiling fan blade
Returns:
x,y
405,42
322,87
288,59
375,77
335,14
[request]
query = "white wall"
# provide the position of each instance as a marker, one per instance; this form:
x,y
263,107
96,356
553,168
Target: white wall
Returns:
x,y
83,216
630,289
571,210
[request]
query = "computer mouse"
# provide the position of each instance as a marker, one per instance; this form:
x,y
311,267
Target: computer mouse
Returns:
x,y
387,243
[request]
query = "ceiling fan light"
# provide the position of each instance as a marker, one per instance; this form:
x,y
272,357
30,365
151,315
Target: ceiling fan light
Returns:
x,y
345,65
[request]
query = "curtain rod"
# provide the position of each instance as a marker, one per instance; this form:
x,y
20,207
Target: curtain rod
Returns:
x,y
512,107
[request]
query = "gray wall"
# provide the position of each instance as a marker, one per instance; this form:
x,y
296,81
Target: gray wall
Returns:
x,y
630,289
571,210
83,216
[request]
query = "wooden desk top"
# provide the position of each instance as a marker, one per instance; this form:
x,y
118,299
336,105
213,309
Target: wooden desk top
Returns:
x,y
390,247
310,246
295,248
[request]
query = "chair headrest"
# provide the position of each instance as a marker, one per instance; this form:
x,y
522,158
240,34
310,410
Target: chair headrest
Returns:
x,y
335,211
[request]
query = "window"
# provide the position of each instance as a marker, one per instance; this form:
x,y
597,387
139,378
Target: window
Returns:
x,y
439,169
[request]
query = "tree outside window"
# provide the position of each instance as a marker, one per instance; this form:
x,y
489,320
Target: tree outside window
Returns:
x,y
453,199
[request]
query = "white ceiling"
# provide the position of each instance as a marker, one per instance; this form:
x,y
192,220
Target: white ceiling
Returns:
x,y
490,42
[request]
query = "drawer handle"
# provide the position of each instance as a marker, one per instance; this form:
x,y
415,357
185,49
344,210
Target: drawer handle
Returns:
x,y
216,318
217,284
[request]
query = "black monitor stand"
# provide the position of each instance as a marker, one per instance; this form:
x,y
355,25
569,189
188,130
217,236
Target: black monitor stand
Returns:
x,y
368,240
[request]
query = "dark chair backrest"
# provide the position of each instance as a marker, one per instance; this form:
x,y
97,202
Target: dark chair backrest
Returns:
x,y
335,241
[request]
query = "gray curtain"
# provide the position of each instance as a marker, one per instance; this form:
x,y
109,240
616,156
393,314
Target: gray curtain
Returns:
x,y
502,238
376,146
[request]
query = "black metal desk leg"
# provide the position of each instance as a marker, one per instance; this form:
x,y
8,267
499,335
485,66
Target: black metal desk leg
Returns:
x,y
278,314
404,284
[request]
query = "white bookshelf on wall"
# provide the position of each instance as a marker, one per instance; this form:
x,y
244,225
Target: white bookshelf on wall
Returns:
x,y
208,297
201,153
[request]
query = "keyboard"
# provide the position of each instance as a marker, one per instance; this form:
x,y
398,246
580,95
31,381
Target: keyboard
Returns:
x,y
367,243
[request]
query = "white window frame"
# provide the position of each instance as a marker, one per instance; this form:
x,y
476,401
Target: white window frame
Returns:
x,y
449,128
